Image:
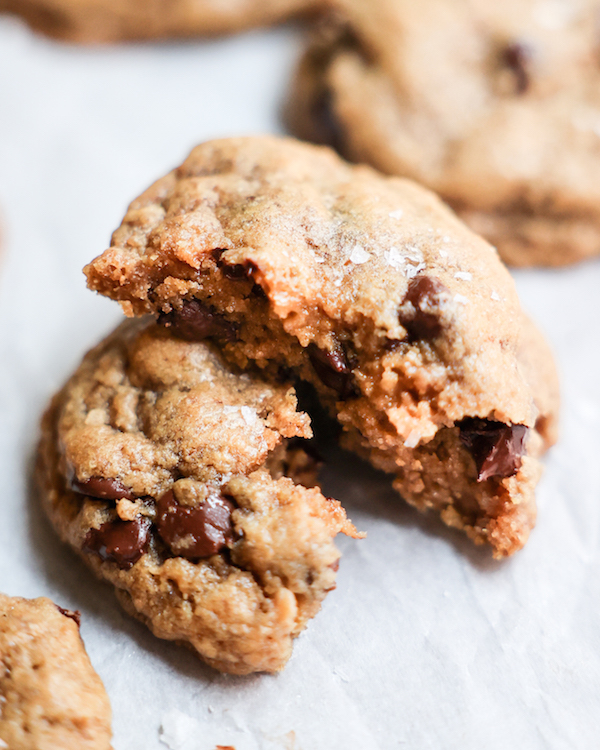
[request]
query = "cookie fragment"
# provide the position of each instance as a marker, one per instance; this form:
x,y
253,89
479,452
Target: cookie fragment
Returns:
x,y
50,695
165,469
404,321
493,106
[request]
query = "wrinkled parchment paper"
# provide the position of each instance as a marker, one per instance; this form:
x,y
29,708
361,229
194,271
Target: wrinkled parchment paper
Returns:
x,y
427,642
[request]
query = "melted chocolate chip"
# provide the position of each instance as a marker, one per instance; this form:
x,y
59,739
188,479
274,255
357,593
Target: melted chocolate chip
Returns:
x,y
242,272
517,57
103,488
424,293
238,271
73,614
333,369
327,129
496,447
198,532
122,542
196,322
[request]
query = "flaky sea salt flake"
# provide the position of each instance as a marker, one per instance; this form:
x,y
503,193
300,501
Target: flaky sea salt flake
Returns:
x,y
461,299
248,415
463,275
394,258
359,255
398,214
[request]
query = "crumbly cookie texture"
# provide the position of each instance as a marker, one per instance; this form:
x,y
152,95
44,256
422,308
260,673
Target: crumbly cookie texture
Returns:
x,y
368,287
101,21
50,696
495,106
166,470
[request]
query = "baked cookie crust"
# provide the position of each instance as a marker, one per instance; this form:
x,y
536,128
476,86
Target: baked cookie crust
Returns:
x,y
369,288
164,468
494,106
50,695
105,21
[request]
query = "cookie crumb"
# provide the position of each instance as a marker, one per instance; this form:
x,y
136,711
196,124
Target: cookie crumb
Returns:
x,y
413,439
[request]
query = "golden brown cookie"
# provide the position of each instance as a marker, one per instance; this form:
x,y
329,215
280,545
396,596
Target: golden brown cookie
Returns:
x,y
495,106
50,696
369,288
98,21
165,469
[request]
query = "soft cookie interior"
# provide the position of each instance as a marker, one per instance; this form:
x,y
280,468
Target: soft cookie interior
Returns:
x,y
367,287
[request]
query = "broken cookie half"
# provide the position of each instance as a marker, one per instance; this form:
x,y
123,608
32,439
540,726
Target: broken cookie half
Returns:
x,y
406,323
50,695
165,468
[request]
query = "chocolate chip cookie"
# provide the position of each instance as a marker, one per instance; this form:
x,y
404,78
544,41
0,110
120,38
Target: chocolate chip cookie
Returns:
x,y
50,695
166,470
94,21
495,106
405,322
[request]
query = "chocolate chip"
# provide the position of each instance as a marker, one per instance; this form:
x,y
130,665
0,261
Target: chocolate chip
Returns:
x,y
197,532
333,369
73,614
496,447
196,322
517,56
424,295
122,542
238,271
103,488
327,129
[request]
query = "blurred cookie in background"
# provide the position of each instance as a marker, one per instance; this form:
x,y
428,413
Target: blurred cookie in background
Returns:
x,y
105,21
495,106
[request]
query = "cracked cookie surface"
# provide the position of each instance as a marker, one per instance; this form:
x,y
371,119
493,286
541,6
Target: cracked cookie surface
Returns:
x,y
165,469
101,21
495,106
50,695
368,287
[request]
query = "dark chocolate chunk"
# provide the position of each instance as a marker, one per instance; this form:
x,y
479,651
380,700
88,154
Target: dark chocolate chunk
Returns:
x,y
238,271
327,129
333,369
103,488
122,542
73,614
517,56
198,532
416,315
496,447
196,322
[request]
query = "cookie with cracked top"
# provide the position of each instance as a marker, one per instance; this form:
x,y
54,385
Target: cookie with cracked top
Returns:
x,y
165,468
102,21
50,695
368,287
495,106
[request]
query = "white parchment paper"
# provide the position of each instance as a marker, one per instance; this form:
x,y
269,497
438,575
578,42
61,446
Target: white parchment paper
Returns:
x,y
426,643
